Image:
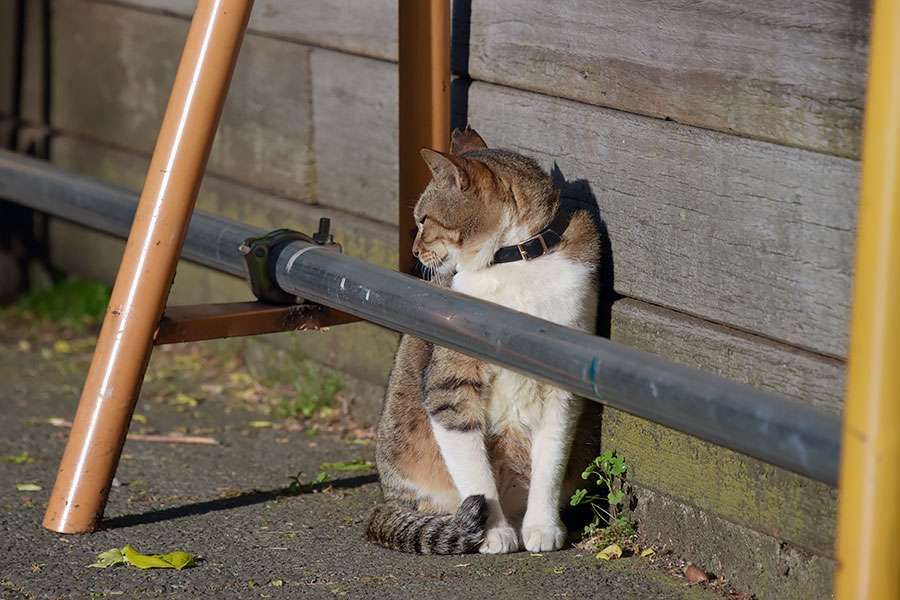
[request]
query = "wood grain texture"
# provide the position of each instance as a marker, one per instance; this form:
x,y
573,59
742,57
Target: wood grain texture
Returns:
x,y
746,233
792,73
356,139
745,491
753,562
360,237
7,56
114,88
362,350
366,28
34,95
756,361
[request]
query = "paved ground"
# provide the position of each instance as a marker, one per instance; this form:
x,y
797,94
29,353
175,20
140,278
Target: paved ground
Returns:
x,y
228,504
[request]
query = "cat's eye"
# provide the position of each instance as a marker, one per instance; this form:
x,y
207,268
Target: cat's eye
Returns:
x,y
422,222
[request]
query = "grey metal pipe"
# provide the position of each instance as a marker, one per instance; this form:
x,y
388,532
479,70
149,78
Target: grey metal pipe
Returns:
x,y
779,431
211,240
768,427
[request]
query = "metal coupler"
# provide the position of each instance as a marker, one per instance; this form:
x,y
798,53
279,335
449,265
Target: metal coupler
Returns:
x,y
257,254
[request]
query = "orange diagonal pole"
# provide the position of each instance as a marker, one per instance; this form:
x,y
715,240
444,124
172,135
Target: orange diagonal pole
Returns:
x,y
148,266
424,104
869,502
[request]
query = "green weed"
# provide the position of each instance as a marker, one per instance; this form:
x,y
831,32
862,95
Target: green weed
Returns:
x,y
315,389
73,304
19,459
296,485
609,471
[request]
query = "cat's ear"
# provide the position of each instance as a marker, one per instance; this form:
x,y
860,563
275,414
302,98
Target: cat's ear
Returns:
x,y
465,141
448,170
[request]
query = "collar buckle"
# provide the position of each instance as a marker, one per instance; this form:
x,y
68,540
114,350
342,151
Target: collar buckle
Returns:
x,y
524,253
528,250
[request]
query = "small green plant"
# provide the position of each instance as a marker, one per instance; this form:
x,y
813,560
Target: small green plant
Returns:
x,y
609,471
315,390
72,304
19,459
296,485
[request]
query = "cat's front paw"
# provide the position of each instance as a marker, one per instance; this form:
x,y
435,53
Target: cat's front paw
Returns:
x,y
499,540
543,538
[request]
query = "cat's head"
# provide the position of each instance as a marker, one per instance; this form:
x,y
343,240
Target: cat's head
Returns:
x,y
476,202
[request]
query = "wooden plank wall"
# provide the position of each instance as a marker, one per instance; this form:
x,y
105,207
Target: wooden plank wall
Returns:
x,y
718,142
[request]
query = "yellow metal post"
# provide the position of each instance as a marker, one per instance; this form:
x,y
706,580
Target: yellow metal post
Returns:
x,y
868,565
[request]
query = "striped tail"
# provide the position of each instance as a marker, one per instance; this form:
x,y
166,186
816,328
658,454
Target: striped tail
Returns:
x,y
403,529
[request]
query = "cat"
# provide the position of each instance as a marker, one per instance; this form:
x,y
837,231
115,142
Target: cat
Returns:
x,y
472,456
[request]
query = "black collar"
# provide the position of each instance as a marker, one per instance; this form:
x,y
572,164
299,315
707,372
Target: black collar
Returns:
x,y
538,244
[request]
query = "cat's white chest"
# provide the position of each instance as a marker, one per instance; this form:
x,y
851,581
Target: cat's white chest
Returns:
x,y
551,288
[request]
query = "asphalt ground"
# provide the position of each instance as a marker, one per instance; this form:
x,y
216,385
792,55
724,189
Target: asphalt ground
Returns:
x,y
229,504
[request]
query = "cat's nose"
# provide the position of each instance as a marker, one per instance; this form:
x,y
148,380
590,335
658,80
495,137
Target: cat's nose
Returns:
x,y
415,252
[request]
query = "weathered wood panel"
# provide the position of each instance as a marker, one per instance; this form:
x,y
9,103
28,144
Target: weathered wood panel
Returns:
x,y
114,88
716,490
360,237
33,82
747,233
792,73
756,361
745,491
7,57
363,350
754,562
366,28
355,124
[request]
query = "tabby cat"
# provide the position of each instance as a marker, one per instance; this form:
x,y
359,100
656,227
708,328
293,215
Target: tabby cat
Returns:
x,y
472,456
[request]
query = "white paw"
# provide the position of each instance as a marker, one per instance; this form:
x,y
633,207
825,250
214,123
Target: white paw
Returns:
x,y
543,538
499,540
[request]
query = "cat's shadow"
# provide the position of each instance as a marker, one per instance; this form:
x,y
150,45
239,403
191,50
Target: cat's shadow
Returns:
x,y
245,499
577,195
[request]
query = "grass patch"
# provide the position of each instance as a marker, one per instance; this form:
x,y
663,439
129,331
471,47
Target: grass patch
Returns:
x,y
73,304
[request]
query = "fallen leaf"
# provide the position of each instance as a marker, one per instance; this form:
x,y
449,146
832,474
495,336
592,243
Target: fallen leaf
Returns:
x,y
261,424
648,552
186,400
610,552
139,418
28,487
248,395
110,558
695,574
559,570
20,459
130,556
190,360
173,560
62,346
357,464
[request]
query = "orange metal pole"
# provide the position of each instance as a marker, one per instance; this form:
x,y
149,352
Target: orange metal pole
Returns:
x,y
148,266
424,39
869,501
